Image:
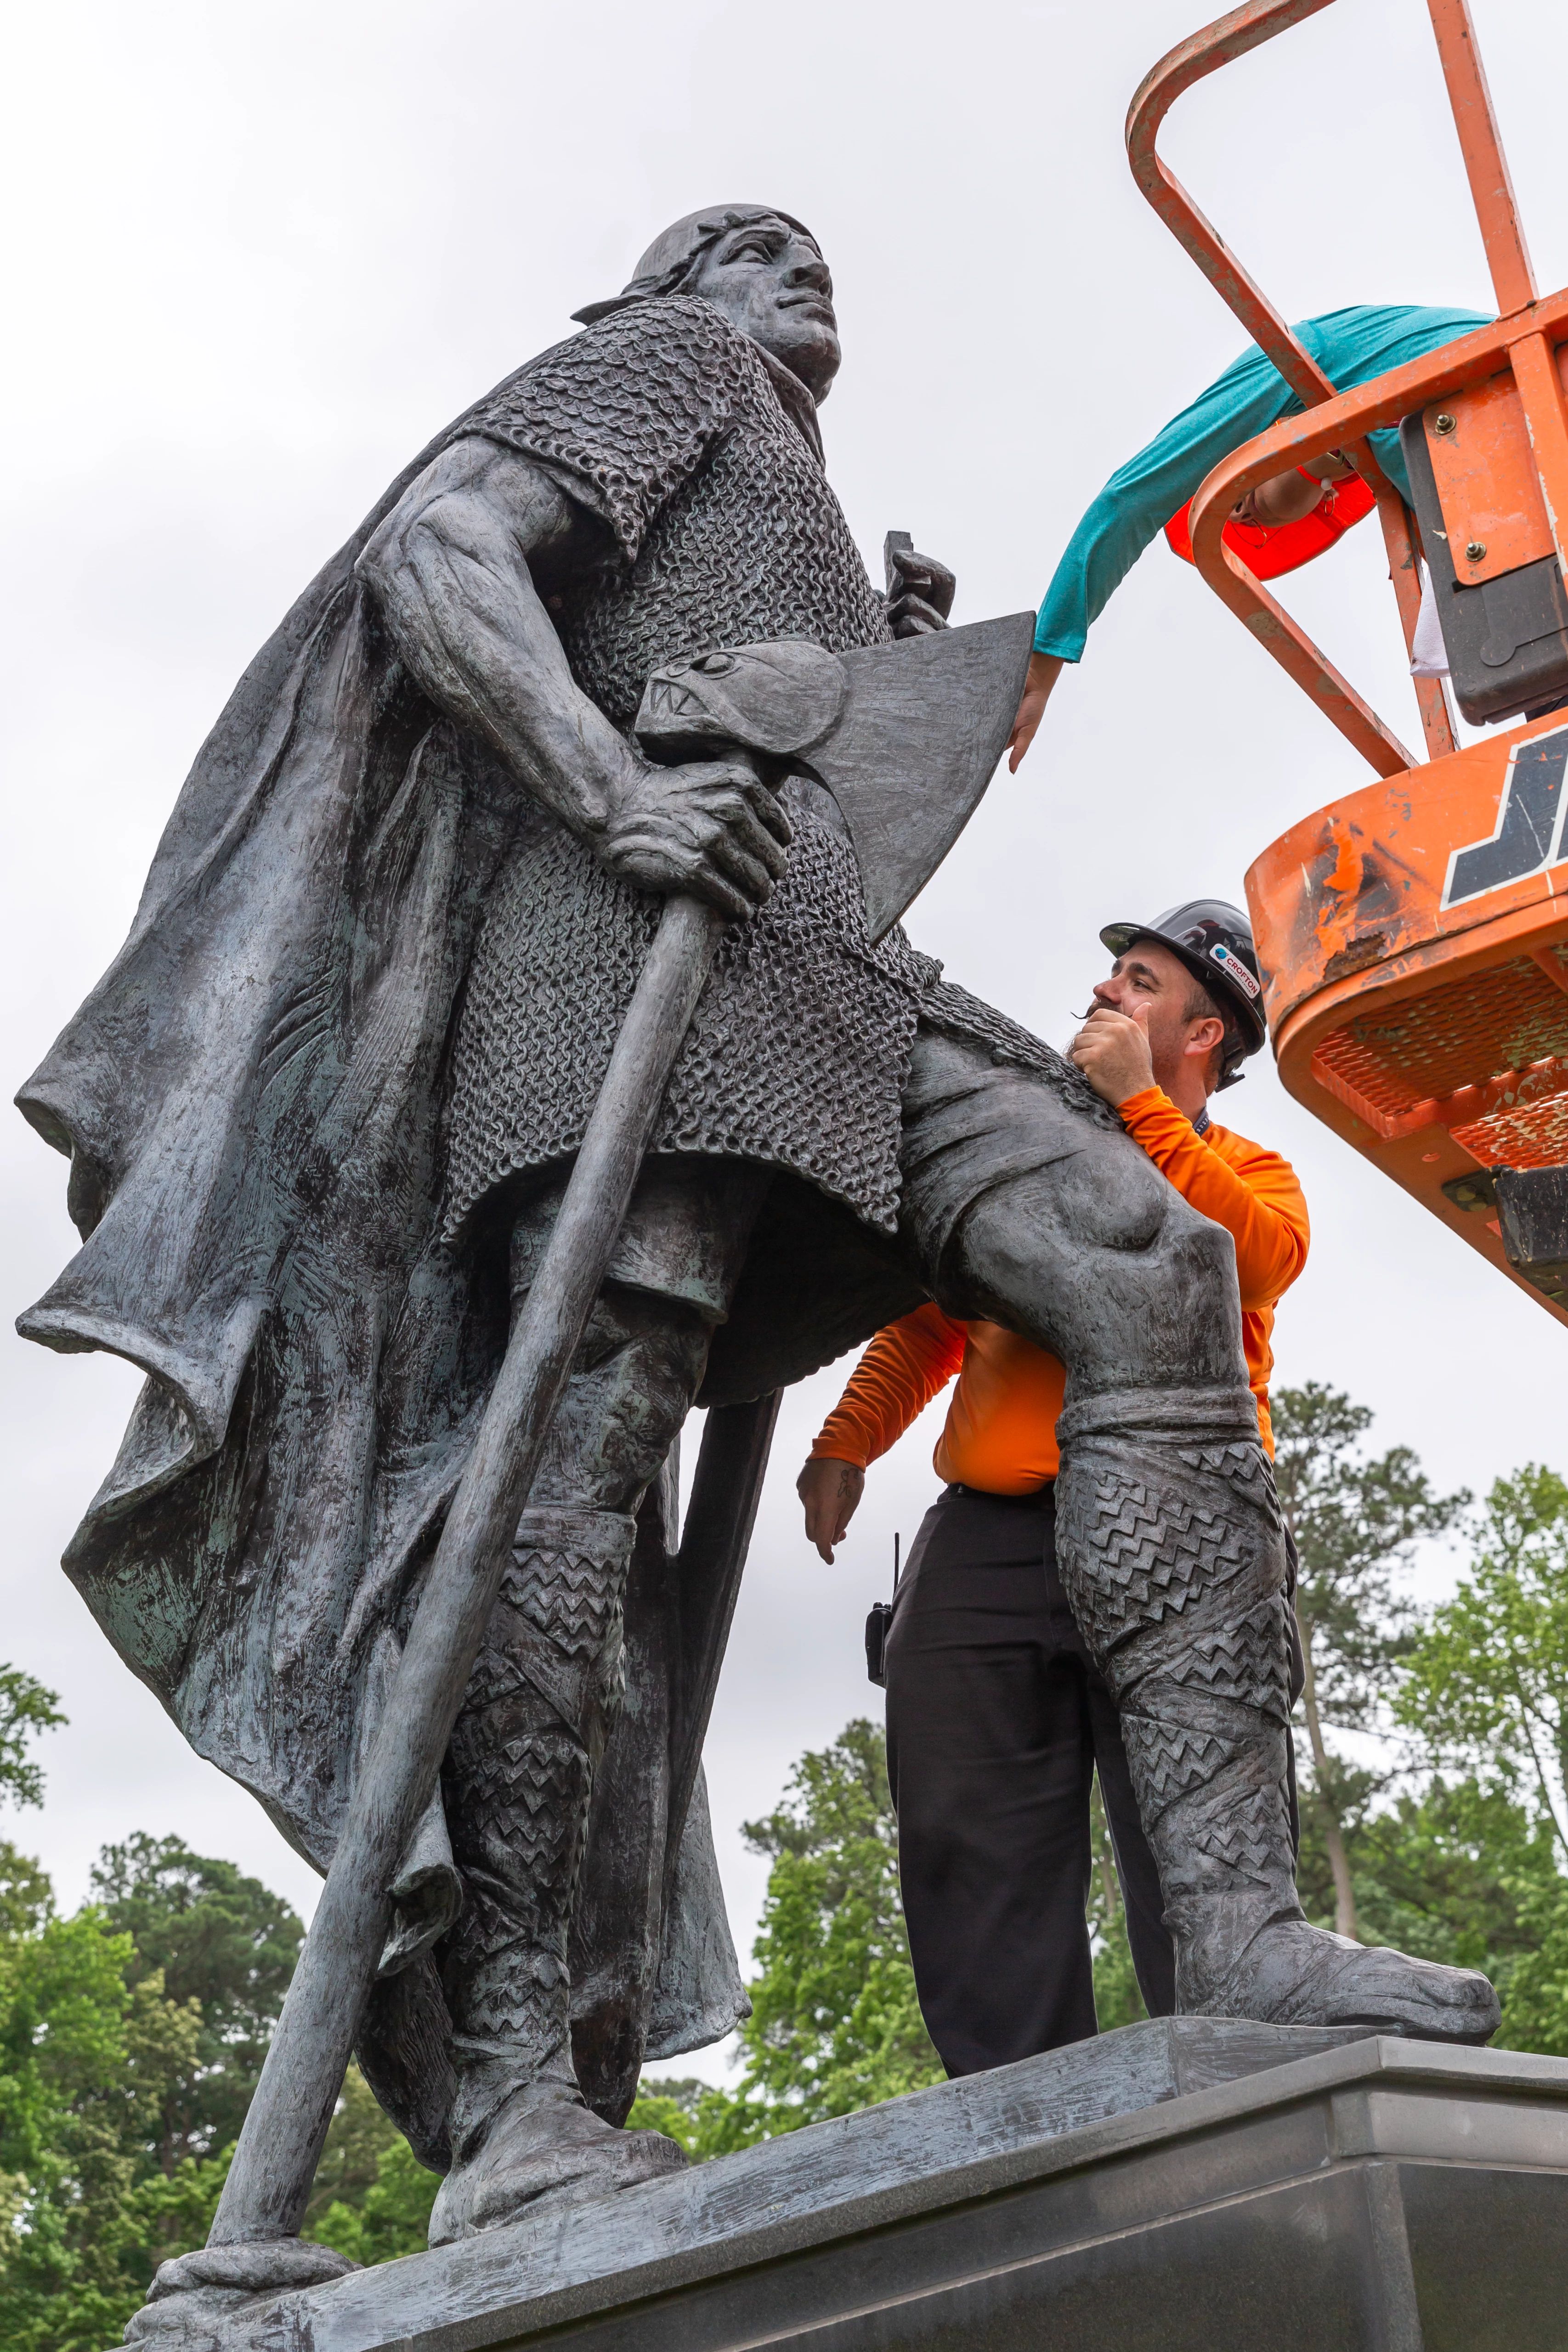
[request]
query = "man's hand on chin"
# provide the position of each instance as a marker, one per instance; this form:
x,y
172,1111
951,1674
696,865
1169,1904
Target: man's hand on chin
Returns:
x,y
1111,1049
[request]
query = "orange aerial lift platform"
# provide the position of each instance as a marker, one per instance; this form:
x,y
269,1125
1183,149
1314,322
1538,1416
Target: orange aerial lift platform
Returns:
x,y
1414,935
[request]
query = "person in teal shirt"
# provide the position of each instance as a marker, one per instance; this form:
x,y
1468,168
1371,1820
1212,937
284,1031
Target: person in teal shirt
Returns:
x,y
1351,346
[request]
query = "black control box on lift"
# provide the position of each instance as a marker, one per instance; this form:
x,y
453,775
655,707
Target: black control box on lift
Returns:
x,y
1506,639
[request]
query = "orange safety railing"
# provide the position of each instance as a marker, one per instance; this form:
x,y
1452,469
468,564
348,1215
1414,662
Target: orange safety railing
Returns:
x,y
1427,1023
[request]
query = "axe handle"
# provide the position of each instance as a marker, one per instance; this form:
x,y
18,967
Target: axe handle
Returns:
x,y
714,1541
274,2162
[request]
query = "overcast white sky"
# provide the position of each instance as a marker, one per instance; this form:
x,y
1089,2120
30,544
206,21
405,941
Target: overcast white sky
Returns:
x,y
261,255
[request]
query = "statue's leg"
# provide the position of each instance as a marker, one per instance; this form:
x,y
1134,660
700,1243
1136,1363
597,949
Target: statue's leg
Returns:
x,y
1029,1211
521,1767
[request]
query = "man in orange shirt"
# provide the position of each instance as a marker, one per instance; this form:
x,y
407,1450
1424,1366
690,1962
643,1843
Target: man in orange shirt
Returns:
x,y
996,1716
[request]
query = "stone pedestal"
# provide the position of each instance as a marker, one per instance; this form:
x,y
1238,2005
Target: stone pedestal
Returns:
x,y
1194,2186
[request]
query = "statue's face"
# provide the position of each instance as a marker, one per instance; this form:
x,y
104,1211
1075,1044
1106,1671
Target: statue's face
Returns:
x,y
775,286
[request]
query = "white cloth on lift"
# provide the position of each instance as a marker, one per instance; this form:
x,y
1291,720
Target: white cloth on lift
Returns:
x,y
1428,654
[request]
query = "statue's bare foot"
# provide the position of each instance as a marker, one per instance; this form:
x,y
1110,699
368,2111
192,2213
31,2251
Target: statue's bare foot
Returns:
x,y
544,2143
1292,1973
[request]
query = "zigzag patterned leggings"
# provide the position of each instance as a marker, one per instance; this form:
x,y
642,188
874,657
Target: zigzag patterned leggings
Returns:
x,y
519,1771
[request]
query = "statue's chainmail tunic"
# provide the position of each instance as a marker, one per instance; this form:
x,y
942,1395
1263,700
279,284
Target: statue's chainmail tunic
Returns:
x,y
703,458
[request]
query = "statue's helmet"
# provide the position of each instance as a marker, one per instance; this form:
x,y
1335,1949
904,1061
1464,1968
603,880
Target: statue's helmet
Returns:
x,y
671,260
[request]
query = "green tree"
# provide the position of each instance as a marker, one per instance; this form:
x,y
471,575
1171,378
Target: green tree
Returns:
x,y
673,2104
372,2196
1356,1521
132,2035
1487,1681
1535,2012
220,1941
390,2217
94,2058
358,2136
1117,2000
86,2063
25,1710
834,2023
61,2036
1485,1686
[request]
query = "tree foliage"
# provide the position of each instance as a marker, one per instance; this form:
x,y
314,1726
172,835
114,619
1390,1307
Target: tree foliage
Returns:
x,y
120,2089
1485,1690
372,2196
132,2035
223,1945
87,2064
1117,2000
1487,1680
834,2023
391,2217
1356,1521
25,1710
1453,1848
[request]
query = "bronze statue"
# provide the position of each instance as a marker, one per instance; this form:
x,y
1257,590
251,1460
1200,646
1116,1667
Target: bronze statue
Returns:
x,y
320,1112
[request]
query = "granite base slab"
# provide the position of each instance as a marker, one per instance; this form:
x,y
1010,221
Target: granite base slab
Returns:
x,y
1194,2185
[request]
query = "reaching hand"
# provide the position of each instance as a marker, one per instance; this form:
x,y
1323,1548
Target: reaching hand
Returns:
x,y
710,826
1044,671
920,595
1111,1049
831,1492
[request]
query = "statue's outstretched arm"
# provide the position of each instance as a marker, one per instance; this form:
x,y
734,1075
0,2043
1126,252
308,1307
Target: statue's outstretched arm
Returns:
x,y
451,570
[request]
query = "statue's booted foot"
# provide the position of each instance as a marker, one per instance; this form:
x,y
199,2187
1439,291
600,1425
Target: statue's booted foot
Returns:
x,y
1169,1534
1288,1972
544,2143
536,1710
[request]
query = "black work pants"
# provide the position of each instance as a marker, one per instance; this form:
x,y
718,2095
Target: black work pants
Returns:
x,y
996,1721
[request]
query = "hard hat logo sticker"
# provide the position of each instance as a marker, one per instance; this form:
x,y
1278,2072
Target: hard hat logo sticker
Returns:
x,y
1234,969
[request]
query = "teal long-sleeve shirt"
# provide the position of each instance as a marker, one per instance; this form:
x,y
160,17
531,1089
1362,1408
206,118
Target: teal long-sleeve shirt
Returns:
x,y
1351,346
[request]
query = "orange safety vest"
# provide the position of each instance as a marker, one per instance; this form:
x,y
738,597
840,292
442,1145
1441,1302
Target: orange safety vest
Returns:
x,y
1269,549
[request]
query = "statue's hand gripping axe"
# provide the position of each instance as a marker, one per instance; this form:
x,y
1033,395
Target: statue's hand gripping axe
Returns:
x,y
906,737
